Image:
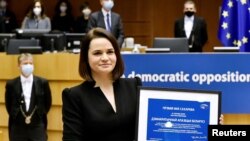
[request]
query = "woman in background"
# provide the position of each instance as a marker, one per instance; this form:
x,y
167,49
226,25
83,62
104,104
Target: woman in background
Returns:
x,y
82,21
63,19
36,17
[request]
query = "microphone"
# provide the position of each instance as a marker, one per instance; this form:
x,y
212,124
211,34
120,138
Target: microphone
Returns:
x,y
52,41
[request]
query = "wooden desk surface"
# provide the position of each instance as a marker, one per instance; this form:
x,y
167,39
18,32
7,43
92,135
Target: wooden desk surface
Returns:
x,y
53,66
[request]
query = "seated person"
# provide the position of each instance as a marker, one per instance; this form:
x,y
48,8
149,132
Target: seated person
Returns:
x,y
36,18
63,19
8,17
82,21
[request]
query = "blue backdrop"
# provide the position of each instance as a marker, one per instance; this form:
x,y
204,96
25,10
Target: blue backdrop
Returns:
x,y
228,73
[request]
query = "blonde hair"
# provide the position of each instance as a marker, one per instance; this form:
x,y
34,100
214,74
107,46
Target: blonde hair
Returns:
x,y
24,56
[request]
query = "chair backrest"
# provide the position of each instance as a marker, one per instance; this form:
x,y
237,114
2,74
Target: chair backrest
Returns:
x,y
14,45
74,40
53,42
174,44
4,40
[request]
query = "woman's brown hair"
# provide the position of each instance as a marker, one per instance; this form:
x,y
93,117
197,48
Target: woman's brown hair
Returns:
x,y
31,14
84,67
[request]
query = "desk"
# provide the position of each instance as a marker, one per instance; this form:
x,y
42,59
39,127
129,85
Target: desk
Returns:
x,y
1,135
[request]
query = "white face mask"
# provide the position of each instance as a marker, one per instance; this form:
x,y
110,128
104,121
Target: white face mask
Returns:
x,y
63,8
86,12
27,69
3,4
108,5
37,11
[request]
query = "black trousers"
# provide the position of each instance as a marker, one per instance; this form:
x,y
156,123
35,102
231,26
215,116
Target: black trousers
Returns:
x,y
28,133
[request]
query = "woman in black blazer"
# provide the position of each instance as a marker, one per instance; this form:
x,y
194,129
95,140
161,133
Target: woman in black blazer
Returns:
x,y
103,107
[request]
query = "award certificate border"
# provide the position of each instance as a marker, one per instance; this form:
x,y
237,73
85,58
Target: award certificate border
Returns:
x,y
146,93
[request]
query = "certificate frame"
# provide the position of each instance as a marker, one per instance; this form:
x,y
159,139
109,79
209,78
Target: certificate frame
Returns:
x,y
160,110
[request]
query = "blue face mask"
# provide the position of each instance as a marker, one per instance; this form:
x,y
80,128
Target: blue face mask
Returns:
x,y
27,69
108,5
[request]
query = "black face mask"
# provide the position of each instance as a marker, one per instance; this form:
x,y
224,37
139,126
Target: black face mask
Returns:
x,y
189,13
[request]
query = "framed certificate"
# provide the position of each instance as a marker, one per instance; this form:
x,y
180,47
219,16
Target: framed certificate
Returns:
x,y
176,114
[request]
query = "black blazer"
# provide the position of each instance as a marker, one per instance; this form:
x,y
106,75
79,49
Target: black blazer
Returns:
x,y
40,97
88,115
198,36
10,22
96,19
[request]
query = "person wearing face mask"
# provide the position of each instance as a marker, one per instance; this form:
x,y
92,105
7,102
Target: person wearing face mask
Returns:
x,y
36,18
28,101
192,27
82,21
8,18
108,20
63,20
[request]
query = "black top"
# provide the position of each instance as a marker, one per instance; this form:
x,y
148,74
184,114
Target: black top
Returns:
x,y
9,21
81,25
63,23
88,115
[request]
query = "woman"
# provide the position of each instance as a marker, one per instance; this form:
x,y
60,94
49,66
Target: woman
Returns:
x,y
103,107
82,21
36,18
63,19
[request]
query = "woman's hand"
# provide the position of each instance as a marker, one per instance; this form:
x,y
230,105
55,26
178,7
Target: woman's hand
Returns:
x,y
221,119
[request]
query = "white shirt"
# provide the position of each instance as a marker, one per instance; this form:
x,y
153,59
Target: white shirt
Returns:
x,y
105,18
27,89
188,25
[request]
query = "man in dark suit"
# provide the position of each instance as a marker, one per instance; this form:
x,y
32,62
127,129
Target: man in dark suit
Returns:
x,y
108,20
192,27
27,100
9,18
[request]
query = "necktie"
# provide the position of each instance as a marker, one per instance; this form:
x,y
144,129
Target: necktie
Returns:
x,y
108,23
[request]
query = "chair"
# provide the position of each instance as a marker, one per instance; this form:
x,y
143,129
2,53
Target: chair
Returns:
x,y
4,40
15,44
174,44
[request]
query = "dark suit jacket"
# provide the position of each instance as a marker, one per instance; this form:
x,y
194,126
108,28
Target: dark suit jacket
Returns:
x,y
2,28
10,22
40,97
198,35
88,115
96,19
